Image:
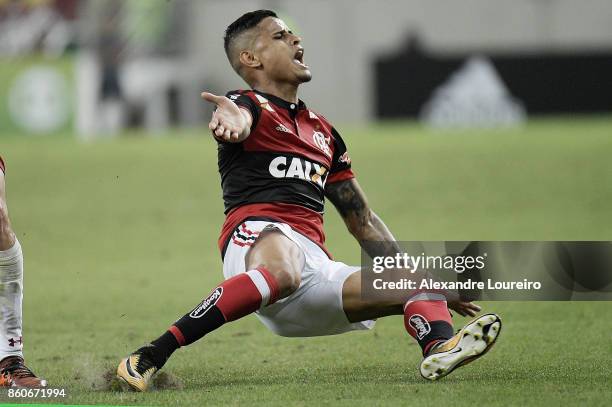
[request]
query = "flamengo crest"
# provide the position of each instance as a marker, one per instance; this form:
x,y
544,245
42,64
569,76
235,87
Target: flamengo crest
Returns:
x,y
322,142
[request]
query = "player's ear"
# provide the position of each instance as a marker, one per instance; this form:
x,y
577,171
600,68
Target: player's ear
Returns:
x,y
248,58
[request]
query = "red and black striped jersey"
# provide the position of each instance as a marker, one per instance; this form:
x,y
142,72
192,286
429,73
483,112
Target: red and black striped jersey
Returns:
x,y
280,171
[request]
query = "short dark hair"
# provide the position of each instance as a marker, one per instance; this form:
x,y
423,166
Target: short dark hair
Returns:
x,y
244,23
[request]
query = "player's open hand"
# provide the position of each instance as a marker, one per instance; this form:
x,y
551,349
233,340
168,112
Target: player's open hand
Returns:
x,y
229,122
463,308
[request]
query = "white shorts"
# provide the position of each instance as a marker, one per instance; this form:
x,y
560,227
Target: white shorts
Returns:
x,y
315,308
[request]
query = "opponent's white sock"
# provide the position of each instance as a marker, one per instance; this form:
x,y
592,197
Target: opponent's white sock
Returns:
x,y
11,296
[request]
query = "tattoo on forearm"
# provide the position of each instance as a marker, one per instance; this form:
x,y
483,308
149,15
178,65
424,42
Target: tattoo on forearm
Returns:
x,y
368,229
346,198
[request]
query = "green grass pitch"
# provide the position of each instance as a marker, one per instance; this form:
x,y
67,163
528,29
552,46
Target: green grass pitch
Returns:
x,y
120,239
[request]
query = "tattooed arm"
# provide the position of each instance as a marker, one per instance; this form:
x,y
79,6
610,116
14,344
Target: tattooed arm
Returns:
x,y
369,230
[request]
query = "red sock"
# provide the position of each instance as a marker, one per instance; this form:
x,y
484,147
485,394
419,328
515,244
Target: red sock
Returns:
x,y
232,299
427,319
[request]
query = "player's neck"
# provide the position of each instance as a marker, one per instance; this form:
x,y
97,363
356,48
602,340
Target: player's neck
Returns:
x,y
284,91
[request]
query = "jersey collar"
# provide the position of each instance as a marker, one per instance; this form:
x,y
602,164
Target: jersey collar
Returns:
x,y
292,107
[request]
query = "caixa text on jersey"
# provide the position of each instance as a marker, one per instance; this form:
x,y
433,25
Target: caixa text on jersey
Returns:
x,y
294,167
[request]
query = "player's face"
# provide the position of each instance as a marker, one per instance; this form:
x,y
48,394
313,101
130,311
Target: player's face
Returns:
x,y
281,53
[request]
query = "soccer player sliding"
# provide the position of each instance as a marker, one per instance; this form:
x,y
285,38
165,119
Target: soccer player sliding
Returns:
x,y
13,371
278,161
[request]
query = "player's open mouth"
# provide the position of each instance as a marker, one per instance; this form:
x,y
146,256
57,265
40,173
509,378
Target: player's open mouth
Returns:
x,y
299,58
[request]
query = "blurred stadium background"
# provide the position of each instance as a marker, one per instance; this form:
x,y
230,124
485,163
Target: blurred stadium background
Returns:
x,y
466,120
96,67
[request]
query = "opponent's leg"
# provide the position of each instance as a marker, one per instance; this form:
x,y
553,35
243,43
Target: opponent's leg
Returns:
x,y
427,319
12,368
274,265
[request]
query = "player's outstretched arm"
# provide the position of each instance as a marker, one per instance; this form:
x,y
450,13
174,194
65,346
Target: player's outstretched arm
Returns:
x,y
229,122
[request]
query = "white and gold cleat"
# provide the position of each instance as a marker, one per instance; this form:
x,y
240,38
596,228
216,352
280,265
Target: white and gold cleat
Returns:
x,y
137,369
471,342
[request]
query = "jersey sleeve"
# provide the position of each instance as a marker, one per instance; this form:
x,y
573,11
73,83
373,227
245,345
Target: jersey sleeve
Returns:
x,y
244,101
341,162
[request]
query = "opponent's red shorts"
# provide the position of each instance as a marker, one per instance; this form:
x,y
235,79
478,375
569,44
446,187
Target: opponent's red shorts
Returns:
x,y
2,165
